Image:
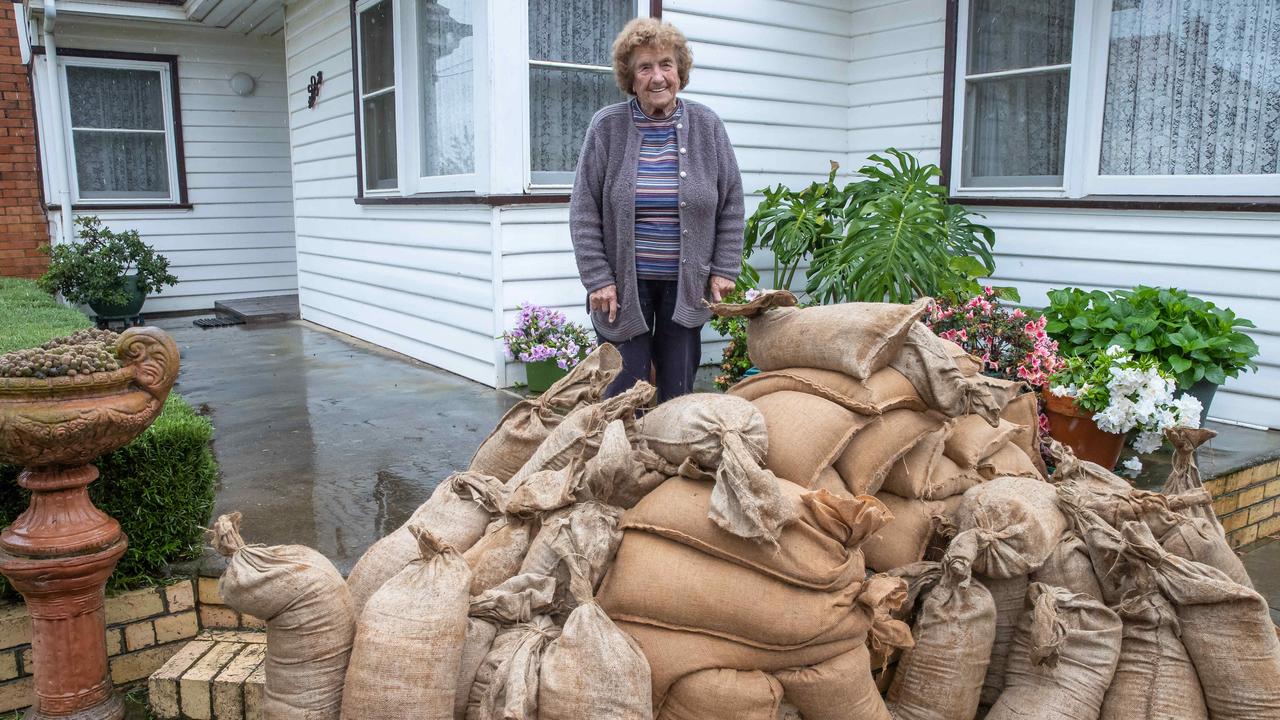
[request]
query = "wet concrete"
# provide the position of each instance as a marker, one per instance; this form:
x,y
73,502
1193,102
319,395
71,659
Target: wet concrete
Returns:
x,y
1262,560
1235,448
323,440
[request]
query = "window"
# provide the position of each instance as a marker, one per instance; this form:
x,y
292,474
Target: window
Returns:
x,y
121,128
1064,98
377,55
446,68
570,78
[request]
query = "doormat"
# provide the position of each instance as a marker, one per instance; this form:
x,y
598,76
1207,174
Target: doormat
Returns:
x,y
216,322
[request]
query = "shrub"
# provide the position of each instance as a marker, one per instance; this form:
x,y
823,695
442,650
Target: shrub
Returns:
x,y
93,269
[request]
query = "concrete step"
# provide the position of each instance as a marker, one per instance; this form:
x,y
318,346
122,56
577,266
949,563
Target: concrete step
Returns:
x,y
217,676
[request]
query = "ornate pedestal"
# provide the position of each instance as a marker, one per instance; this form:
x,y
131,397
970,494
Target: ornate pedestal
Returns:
x,y
61,550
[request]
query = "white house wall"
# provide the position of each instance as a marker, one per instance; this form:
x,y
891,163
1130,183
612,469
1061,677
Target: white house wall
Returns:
x,y
776,72
418,280
237,239
1230,258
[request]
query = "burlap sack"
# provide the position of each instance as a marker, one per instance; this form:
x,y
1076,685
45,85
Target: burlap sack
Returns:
x,y
580,433
457,514
587,532
517,600
872,451
806,434
420,613
1009,525
546,490
616,467
968,363
1070,568
1101,541
864,336
926,473
973,439
837,689
671,585
506,685
1024,411
941,677
904,541
1010,598
831,481
653,471
1062,660
924,360
593,670
529,422
725,435
886,389
818,551
1009,461
1154,679
1193,538
787,711
1226,628
498,555
723,694
1092,477
1185,476
310,620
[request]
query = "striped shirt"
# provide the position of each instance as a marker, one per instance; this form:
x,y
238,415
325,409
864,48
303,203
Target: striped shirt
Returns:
x,y
657,196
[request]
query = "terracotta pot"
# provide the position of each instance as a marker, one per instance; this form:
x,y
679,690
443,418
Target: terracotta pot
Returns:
x,y
1076,429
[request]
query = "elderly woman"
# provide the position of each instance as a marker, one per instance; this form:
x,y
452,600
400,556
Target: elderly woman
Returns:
x,y
657,214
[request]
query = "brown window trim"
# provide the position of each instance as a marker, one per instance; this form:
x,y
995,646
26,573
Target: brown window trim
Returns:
x,y
122,206
178,149
448,198
1260,203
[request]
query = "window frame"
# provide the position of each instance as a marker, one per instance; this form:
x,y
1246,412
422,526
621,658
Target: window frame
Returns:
x,y
501,41
1083,185
167,66
357,85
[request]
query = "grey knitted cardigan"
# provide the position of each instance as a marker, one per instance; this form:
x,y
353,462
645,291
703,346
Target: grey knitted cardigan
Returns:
x,y
602,214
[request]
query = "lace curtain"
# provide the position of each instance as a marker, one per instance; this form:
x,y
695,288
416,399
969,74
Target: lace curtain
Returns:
x,y
1016,124
562,102
1193,87
110,163
446,61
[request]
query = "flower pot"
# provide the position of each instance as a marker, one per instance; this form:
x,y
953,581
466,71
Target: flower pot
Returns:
x,y
542,374
107,311
1076,429
1204,392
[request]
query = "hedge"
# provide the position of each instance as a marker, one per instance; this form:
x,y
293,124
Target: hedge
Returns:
x,y
159,487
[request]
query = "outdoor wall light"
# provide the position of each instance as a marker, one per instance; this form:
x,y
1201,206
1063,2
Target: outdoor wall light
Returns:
x,y
242,84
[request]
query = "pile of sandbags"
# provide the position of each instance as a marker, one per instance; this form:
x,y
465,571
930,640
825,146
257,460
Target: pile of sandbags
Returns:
x,y
868,514
862,398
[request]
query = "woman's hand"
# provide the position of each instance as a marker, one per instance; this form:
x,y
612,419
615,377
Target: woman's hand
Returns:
x,y
720,287
605,300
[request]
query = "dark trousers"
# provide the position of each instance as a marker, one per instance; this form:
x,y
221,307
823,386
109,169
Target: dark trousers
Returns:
x,y
673,349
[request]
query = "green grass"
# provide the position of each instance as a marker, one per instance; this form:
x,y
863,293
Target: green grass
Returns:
x,y
159,487
29,316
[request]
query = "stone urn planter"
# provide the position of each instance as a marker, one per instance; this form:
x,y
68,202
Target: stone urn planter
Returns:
x,y
1076,429
60,551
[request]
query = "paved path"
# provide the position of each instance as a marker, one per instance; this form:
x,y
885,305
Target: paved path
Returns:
x,y
323,440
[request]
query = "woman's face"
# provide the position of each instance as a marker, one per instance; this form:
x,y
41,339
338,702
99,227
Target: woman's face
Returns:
x,y
656,78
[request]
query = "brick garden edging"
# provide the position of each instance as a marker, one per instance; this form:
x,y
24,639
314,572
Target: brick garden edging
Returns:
x,y
1248,502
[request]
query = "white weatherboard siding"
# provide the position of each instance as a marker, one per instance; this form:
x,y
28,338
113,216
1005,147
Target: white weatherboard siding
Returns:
x,y
416,279
776,72
1232,259
237,240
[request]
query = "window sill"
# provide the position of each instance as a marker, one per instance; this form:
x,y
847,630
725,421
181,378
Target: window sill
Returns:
x,y
466,199
123,206
1130,202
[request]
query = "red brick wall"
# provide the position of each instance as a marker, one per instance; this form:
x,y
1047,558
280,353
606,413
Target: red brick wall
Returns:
x,y
23,226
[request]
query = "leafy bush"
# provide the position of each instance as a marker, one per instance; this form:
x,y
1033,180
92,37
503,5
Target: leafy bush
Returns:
x,y
159,487
1190,338
93,269
1010,342
734,363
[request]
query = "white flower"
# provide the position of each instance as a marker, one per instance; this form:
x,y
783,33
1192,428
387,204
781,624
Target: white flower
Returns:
x,y
752,294
1188,410
1064,390
1132,466
1115,351
1148,441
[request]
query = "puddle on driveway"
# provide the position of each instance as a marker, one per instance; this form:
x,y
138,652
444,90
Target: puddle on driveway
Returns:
x,y
324,442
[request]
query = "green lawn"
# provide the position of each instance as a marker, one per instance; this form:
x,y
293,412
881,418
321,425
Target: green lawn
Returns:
x,y
32,316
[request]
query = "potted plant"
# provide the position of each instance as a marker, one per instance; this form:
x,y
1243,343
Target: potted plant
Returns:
x,y
1096,399
111,272
547,344
1011,342
1194,340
